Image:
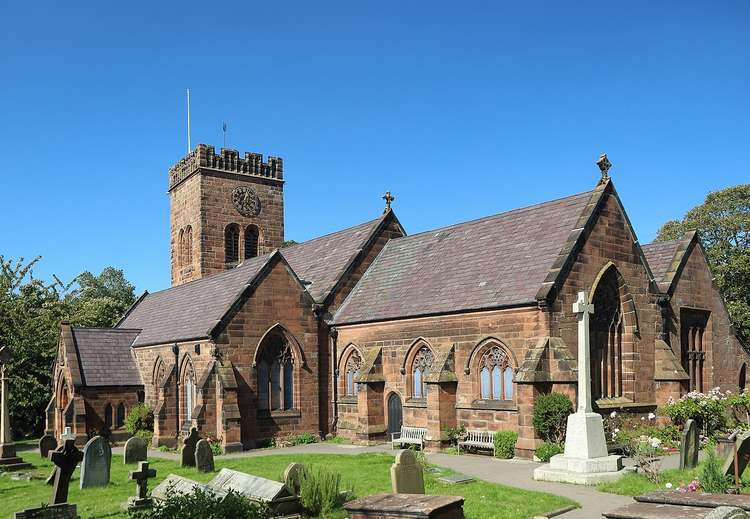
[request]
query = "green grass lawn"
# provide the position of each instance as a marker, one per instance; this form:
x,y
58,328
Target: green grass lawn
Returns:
x,y
366,473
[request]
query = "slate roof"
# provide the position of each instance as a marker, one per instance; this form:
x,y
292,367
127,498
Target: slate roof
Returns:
x,y
191,310
496,261
321,261
105,356
659,256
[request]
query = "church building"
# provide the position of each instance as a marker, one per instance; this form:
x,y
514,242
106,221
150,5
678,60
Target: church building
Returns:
x,y
361,331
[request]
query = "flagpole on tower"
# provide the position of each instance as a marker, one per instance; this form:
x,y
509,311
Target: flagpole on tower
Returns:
x,y
188,119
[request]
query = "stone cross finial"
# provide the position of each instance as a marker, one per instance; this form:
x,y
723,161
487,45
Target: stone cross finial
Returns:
x,y
388,197
141,477
604,165
584,309
66,458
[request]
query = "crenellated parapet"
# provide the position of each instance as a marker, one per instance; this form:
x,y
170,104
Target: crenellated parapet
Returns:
x,y
204,156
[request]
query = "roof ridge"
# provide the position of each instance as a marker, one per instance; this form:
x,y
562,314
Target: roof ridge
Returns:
x,y
488,217
665,242
110,329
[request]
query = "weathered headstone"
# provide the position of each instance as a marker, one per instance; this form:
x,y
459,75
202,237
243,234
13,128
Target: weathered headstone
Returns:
x,y
97,460
743,455
141,477
292,477
178,485
136,450
689,445
204,456
187,453
47,443
8,459
66,458
64,437
406,474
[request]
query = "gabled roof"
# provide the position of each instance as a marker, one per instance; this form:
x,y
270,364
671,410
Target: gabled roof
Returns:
x,y
496,261
192,310
105,356
667,258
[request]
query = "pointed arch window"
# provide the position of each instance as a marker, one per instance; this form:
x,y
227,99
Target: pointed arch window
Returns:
x,y
181,248
108,415
495,375
353,366
420,369
251,241
120,417
606,332
188,383
276,376
232,244
187,254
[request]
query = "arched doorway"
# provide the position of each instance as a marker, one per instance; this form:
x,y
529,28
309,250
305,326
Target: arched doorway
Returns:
x,y
395,414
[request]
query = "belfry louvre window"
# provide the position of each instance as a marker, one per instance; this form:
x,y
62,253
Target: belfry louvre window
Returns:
x,y
232,244
276,376
694,340
251,241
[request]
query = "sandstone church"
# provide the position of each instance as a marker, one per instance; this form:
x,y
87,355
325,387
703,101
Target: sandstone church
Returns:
x,y
359,332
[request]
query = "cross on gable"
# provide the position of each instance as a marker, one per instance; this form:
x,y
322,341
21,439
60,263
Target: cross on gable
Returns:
x,y
388,197
582,305
141,477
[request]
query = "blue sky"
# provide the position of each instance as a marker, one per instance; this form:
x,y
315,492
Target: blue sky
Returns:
x,y
462,109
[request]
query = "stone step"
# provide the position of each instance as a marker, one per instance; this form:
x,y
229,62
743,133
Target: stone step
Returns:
x,y
658,511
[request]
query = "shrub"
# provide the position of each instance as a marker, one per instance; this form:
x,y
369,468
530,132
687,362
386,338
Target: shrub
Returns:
x,y
146,436
712,476
707,409
319,490
551,416
505,444
548,449
140,418
646,450
455,434
215,445
304,439
202,504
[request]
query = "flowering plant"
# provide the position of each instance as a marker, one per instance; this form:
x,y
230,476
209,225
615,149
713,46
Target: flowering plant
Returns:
x,y
707,409
646,451
693,486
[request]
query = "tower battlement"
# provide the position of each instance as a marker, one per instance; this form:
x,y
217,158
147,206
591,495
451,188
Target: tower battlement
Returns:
x,y
204,156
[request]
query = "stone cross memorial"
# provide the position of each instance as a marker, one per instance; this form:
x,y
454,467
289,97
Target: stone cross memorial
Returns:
x,y
689,445
187,453
406,474
66,458
136,450
204,456
8,459
585,460
141,477
97,461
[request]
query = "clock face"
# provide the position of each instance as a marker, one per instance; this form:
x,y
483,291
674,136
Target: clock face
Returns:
x,y
246,201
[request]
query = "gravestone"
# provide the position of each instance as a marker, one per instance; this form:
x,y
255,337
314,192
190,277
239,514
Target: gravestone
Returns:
x,y
187,453
689,445
47,443
292,477
276,495
97,459
66,458
64,437
406,474
380,506
179,485
136,450
743,455
456,479
204,456
141,477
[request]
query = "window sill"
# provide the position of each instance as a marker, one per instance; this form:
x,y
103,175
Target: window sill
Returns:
x,y
620,403
270,415
349,400
490,405
416,402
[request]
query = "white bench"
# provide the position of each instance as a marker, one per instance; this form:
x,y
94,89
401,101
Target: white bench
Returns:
x,y
409,435
478,440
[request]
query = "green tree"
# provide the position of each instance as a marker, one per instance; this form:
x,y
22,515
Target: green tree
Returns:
x,y
30,315
288,243
723,223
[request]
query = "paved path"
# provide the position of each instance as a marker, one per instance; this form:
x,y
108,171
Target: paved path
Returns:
x,y
514,473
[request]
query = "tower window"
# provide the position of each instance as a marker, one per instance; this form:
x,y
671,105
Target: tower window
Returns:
x,y
187,254
251,241
232,244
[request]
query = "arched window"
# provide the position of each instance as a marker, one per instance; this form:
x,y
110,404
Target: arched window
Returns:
x,y
181,249
187,254
743,377
276,375
606,338
108,415
495,375
251,241
232,244
353,365
188,383
120,418
420,368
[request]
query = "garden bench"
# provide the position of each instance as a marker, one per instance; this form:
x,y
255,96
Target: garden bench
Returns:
x,y
478,440
409,435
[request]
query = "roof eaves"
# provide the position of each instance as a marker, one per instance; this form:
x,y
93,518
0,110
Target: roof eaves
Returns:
x,y
679,259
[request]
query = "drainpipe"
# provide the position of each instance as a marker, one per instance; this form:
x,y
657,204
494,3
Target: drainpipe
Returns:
x,y
176,352
334,334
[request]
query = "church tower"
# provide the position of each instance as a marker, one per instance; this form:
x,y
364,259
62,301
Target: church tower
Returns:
x,y
223,209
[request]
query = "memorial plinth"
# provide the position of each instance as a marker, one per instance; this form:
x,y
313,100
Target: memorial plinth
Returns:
x,y
8,459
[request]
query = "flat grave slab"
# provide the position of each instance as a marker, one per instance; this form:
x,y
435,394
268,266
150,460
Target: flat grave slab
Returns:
x,y
181,486
252,487
657,511
698,499
406,505
455,479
